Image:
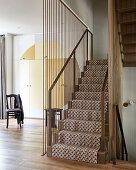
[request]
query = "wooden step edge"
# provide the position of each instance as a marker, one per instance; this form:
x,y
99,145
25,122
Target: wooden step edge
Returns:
x,y
129,43
49,151
127,10
79,80
129,53
87,62
101,157
82,74
85,68
127,34
65,114
70,105
73,96
55,137
76,88
60,125
127,22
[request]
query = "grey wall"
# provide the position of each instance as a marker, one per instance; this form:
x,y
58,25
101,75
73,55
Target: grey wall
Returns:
x,y
100,28
129,113
84,9
95,14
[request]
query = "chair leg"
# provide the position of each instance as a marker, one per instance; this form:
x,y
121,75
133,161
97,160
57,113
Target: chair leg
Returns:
x,y
20,120
7,120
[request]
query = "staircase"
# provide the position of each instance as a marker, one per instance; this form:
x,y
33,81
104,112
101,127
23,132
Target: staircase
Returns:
x,y
79,136
126,12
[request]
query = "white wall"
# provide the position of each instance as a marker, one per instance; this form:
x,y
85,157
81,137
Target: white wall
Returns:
x,y
100,28
9,62
27,75
129,113
84,9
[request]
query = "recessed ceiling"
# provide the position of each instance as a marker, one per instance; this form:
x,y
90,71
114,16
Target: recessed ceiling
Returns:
x,y
20,16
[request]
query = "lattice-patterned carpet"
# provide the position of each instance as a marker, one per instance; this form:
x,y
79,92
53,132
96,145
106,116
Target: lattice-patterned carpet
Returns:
x,y
79,138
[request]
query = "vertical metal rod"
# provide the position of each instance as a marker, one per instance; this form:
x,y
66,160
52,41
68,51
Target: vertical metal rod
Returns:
x,y
91,46
122,148
74,70
56,47
62,44
103,122
52,70
43,78
50,112
59,34
87,45
44,68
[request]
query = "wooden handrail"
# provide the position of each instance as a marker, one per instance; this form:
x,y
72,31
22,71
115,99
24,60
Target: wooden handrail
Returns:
x,y
103,112
124,147
66,63
73,13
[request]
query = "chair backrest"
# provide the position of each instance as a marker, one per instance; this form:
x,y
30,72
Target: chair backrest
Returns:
x,y
12,101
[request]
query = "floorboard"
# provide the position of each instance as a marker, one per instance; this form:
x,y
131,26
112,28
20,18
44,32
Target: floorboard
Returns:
x,y
21,149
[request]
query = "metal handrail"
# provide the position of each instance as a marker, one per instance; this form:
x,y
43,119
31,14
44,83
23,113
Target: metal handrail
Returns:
x,y
124,147
55,81
103,112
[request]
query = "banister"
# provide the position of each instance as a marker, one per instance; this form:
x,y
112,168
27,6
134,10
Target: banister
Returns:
x,y
103,111
66,63
105,80
73,13
124,147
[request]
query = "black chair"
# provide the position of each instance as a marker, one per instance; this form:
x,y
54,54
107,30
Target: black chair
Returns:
x,y
13,107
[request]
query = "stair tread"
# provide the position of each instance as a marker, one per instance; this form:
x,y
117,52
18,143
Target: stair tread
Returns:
x,y
88,115
79,153
66,120
82,133
79,138
84,110
99,92
89,100
90,148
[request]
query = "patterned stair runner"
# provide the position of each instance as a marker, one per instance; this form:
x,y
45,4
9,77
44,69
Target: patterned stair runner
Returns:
x,y
80,135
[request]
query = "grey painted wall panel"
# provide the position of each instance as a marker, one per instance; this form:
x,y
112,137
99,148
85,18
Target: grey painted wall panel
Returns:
x,y
129,113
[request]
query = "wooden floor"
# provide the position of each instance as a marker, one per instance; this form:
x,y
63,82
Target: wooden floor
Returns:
x,y
21,149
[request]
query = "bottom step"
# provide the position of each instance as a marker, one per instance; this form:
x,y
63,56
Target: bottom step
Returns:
x,y
69,152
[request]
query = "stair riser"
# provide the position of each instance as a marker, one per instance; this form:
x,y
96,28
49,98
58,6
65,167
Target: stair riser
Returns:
x,y
96,68
91,88
89,96
94,73
84,115
98,62
87,105
73,153
79,139
127,17
94,80
82,126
